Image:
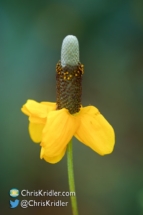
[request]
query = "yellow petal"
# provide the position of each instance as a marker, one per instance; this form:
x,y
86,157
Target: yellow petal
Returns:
x,y
58,131
95,131
36,111
54,159
35,131
50,105
34,108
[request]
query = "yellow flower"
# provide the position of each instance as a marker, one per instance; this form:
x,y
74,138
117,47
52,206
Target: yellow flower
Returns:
x,y
54,124
55,128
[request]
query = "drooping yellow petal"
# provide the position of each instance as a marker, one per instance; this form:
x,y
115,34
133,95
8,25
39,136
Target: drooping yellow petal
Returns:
x,y
95,131
54,159
34,108
35,131
50,105
58,131
36,111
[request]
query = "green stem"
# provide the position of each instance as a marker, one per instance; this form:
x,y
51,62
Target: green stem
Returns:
x,y
71,178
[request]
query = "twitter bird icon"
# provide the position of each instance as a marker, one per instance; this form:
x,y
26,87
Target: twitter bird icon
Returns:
x,y
14,204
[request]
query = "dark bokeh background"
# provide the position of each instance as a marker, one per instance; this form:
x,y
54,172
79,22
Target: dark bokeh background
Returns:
x,y
110,35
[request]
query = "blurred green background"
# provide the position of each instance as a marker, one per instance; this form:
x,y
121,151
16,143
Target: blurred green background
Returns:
x,y
110,35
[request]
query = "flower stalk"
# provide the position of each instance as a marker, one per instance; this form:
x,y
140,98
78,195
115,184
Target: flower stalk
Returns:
x,y
71,178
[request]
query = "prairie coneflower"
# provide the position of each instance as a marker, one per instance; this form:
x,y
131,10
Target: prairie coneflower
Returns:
x,y
54,124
